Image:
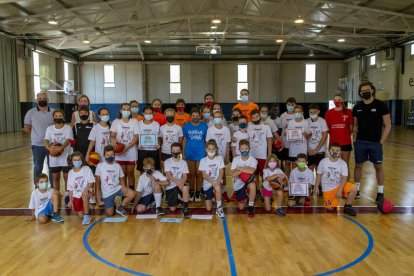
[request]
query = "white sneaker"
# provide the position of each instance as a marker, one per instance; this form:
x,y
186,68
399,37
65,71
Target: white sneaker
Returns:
x,y
220,212
92,200
197,198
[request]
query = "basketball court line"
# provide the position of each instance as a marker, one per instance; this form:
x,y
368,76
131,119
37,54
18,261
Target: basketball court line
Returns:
x,y
233,271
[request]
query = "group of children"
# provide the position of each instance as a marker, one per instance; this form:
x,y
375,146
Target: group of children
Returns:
x,y
185,156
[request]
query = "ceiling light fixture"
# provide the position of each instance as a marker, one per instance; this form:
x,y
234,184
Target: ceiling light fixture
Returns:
x,y
299,20
147,41
86,40
341,40
213,27
279,40
311,53
52,20
216,21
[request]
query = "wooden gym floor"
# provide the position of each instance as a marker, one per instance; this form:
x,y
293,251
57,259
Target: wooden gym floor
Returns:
x,y
305,242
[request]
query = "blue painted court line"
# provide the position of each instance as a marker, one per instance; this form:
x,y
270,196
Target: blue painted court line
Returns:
x,y
360,258
229,249
99,258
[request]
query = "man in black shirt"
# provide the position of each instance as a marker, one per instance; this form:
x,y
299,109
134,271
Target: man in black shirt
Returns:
x,y
372,125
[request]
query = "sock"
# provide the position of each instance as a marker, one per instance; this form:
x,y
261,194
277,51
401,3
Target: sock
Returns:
x,y
381,189
158,198
219,204
251,203
358,185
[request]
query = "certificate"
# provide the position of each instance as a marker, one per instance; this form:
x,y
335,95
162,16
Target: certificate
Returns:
x,y
298,189
294,134
148,140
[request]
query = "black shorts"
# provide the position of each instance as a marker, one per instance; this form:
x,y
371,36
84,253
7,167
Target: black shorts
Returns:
x,y
313,160
165,156
64,169
172,196
146,200
209,194
346,147
283,154
142,154
241,194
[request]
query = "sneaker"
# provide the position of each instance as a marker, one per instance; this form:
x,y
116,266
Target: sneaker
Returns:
x,y
92,199
280,212
220,212
250,211
57,218
186,213
86,220
121,210
197,197
225,197
67,200
160,211
349,210
233,197
358,195
380,198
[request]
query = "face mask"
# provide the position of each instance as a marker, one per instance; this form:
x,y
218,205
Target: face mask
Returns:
x,y
148,117
290,108
244,98
176,155
149,171
195,120
256,122
244,153
110,159
263,116
273,115
211,154
207,116
235,118
272,165
335,154
366,95
42,103
180,108
313,116
84,117
126,114
298,115
58,120
217,121
77,164
301,165
169,119
83,103
338,104
243,125
156,110
105,118
209,103
43,185
134,109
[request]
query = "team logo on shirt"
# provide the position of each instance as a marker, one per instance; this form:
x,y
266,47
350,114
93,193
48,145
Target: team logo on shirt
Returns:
x,y
195,134
78,184
126,134
212,173
333,175
345,117
111,178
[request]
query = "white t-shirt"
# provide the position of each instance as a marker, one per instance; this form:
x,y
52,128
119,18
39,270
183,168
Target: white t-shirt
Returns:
x,y
331,172
237,163
212,169
125,134
101,136
299,146
177,169
285,118
39,201
222,138
317,129
109,175
237,137
233,128
278,122
60,136
266,173
145,186
258,135
297,176
153,129
169,135
78,181
271,124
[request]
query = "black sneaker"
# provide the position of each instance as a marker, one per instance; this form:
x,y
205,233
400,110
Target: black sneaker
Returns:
x,y
160,211
380,198
358,195
250,211
186,213
349,210
280,212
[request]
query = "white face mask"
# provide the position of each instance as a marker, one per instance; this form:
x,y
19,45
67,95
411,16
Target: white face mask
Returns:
x,y
313,116
211,154
244,98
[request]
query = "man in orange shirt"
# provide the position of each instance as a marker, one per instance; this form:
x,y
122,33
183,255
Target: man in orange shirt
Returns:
x,y
181,117
245,105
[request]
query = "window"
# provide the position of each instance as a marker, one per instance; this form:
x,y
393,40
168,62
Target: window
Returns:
x,y
36,73
242,80
65,76
310,83
412,49
175,79
109,76
372,60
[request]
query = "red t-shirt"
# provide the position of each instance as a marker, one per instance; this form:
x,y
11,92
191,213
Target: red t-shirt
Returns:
x,y
338,123
160,118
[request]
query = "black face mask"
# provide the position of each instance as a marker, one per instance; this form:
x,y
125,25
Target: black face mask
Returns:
x,y
169,119
273,114
110,159
84,117
235,119
366,95
195,120
149,171
256,122
175,154
58,120
42,103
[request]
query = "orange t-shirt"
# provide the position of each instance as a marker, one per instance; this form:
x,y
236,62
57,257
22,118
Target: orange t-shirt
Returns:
x,y
181,119
246,109
139,118
160,118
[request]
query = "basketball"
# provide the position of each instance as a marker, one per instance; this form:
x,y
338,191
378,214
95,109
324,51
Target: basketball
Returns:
x,y
119,147
246,177
279,183
277,145
94,158
386,206
55,144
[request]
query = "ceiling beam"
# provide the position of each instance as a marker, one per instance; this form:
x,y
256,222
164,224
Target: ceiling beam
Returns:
x,y
281,48
323,49
95,51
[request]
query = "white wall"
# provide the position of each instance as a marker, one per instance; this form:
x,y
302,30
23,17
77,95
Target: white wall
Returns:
x,y
407,90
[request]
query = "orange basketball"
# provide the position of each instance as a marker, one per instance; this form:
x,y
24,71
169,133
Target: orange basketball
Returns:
x,y
279,183
55,144
94,158
119,147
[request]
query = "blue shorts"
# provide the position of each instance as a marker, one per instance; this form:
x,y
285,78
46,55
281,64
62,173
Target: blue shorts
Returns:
x,y
48,211
209,193
110,200
366,150
146,200
241,194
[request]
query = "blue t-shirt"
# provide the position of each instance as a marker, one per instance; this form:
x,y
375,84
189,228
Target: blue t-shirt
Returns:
x,y
195,141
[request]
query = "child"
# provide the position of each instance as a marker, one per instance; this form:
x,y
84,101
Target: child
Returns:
x,y
176,171
147,128
194,140
212,168
82,101
209,100
82,130
244,165
159,117
110,177
265,119
216,108
125,131
57,140
299,145
301,174
181,117
319,134
285,118
44,202
239,135
80,181
135,109
169,133
270,173
332,174
149,188
234,126
206,114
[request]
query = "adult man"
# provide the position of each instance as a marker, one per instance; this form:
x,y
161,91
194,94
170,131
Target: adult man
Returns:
x,y
245,105
36,122
369,134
